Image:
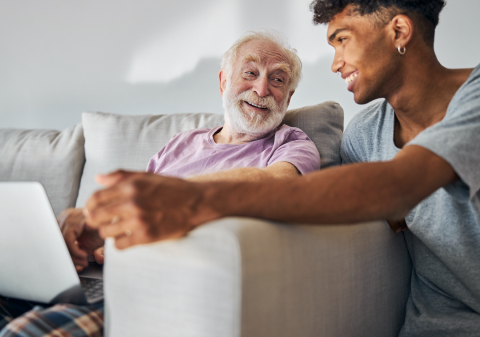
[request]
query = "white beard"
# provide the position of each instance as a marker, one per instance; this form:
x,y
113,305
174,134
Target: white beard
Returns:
x,y
254,125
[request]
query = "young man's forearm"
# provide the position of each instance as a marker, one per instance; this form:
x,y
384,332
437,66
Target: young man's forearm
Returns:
x,y
347,194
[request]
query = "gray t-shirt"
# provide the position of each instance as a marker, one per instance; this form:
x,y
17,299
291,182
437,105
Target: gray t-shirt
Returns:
x,y
443,236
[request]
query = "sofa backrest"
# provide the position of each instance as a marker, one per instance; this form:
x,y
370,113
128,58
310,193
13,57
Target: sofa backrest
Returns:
x,y
128,142
51,157
66,162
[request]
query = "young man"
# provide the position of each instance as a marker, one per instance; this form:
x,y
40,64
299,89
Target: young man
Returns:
x,y
258,77
412,159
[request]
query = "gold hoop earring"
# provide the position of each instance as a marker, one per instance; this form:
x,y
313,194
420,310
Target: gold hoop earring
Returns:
x,y
402,50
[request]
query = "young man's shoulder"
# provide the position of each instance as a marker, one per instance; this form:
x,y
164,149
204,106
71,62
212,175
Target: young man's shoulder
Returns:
x,y
367,119
367,133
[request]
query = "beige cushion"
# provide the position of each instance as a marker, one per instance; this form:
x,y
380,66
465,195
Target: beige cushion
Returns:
x,y
51,157
115,141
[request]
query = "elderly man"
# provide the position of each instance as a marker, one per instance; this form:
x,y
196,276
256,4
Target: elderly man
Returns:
x,y
413,158
258,78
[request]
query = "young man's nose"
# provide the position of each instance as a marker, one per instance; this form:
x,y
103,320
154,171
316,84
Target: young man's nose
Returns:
x,y
337,63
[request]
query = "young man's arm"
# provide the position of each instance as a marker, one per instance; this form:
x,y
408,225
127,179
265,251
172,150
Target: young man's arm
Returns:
x,y
153,207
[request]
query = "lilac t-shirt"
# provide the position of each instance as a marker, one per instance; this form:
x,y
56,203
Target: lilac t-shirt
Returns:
x,y
195,152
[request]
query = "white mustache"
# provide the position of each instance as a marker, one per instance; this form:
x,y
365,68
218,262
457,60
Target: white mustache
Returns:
x,y
252,97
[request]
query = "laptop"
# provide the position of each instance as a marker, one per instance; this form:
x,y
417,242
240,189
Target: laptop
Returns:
x,y
35,264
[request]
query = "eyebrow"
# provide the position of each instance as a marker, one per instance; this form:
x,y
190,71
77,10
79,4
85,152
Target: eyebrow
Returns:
x,y
251,58
283,66
332,37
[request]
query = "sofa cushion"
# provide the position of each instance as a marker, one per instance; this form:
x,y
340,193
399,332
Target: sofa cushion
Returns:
x,y
51,157
323,123
115,141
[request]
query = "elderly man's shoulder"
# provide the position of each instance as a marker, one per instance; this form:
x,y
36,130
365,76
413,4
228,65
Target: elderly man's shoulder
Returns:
x,y
193,134
290,133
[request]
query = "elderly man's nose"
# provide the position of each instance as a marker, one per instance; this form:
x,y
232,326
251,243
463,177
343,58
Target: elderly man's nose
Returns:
x,y
261,87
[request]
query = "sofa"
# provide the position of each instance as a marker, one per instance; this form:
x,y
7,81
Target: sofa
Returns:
x,y
233,277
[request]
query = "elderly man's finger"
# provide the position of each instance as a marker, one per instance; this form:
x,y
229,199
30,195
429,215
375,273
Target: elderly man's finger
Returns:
x,y
80,262
113,178
99,255
75,251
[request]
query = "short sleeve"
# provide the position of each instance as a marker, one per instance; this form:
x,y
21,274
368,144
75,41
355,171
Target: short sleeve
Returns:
x,y
157,158
363,137
457,137
153,162
298,150
348,151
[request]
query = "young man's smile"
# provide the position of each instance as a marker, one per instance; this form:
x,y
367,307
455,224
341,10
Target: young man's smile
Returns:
x,y
350,79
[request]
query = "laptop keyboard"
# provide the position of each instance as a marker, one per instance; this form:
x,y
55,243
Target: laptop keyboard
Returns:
x,y
93,289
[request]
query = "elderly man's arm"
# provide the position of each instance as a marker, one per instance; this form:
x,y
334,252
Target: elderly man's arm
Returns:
x,y
80,238
278,170
153,207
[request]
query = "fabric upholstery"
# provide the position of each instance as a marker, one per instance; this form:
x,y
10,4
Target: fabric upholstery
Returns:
x,y
323,124
251,278
128,142
51,157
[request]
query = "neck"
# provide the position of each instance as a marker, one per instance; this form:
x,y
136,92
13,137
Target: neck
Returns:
x,y
228,135
424,92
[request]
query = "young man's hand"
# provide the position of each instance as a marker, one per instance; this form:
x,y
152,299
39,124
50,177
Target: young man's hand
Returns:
x,y
137,207
81,239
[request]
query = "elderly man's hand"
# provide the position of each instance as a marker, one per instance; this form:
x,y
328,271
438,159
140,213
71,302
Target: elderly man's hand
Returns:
x,y
137,208
81,239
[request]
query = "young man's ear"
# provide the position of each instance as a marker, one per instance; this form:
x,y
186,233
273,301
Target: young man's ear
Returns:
x,y
402,29
222,78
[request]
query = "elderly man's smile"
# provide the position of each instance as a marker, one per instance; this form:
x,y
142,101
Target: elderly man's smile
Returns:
x,y
256,105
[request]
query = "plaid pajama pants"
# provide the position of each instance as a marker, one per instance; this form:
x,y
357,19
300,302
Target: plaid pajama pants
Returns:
x,y
25,319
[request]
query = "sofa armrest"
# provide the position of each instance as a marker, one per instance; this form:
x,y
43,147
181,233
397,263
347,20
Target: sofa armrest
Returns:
x,y
247,277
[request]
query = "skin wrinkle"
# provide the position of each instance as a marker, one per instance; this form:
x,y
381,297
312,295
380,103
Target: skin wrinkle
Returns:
x,y
282,66
252,79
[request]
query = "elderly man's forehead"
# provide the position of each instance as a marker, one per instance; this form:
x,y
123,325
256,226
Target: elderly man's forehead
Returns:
x,y
256,58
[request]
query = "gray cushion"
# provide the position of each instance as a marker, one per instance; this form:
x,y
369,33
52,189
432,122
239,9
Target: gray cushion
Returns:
x,y
51,157
115,141
323,123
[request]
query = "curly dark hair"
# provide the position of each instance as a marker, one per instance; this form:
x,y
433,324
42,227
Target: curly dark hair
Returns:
x,y
425,13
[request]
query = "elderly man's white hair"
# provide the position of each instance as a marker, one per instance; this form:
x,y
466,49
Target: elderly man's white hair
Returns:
x,y
269,35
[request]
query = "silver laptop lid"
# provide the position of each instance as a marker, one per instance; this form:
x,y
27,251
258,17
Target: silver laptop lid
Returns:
x,y
35,263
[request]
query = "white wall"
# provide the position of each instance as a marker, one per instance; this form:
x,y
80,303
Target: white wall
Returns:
x,y
61,57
